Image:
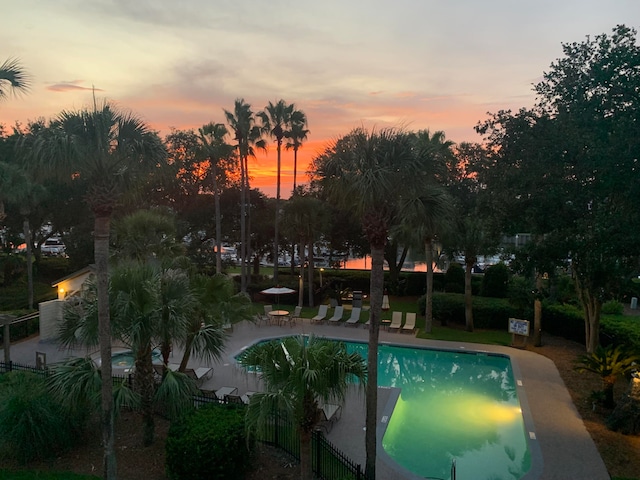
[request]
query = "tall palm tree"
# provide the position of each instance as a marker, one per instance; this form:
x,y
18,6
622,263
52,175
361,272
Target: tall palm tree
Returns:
x,y
300,374
276,119
217,152
105,150
366,173
13,78
297,135
247,135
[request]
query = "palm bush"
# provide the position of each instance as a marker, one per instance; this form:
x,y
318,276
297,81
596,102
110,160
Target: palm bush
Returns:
x,y
610,363
32,423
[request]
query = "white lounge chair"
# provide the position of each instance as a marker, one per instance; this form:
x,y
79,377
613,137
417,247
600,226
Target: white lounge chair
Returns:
x,y
322,314
337,314
329,414
296,315
396,321
354,319
410,323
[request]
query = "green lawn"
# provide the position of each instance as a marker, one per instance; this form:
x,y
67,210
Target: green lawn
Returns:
x,y
9,475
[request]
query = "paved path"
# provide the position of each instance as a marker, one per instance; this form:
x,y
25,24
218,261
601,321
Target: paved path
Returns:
x,y
560,445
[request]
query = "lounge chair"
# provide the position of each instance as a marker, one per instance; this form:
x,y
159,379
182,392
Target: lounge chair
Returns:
x,y
198,375
224,392
236,399
246,398
396,321
322,314
329,414
295,316
354,319
410,323
337,314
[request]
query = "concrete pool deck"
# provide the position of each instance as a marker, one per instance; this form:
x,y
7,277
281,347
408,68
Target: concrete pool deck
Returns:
x,y
561,448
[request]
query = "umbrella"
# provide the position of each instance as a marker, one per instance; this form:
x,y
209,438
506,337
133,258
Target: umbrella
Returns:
x,y
277,291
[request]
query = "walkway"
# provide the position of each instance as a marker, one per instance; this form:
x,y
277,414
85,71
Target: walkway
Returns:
x,y
560,444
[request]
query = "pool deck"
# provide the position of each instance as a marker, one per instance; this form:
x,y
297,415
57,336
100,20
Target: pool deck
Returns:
x,y
561,448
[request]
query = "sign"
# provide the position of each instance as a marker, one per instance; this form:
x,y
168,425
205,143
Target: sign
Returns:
x,y
519,327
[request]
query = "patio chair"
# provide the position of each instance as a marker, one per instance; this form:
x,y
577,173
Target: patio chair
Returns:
x,y
337,314
223,392
296,315
396,321
329,414
410,323
322,314
354,319
246,398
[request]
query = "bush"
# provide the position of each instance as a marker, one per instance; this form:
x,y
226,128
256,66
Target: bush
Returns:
x,y
32,424
210,443
495,282
488,313
564,321
612,307
454,279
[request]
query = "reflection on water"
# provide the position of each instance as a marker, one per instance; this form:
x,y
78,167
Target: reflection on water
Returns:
x,y
453,405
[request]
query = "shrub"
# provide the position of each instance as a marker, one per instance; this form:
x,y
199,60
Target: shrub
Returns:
x,y
32,424
495,282
454,279
612,307
210,443
564,321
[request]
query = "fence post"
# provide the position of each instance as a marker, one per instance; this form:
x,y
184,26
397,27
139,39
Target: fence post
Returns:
x,y
6,320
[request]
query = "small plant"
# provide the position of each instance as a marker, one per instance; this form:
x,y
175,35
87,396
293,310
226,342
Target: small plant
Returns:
x,y
610,363
612,307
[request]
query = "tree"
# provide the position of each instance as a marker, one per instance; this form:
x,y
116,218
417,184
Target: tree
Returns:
x,y
300,374
365,172
13,78
276,119
247,135
105,150
569,166
218,153
297,134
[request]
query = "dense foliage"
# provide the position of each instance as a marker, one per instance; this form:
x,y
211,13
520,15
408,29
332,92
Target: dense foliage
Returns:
x,y
210,443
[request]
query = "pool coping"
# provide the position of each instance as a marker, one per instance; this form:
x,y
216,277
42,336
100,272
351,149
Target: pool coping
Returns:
x,y
537,460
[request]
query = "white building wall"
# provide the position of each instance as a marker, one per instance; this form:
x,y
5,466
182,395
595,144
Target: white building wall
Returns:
x,y
50,317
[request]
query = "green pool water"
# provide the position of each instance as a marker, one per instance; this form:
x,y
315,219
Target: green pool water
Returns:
x,y
453,405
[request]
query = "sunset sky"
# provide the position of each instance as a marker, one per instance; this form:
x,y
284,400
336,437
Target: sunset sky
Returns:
x,y
440,65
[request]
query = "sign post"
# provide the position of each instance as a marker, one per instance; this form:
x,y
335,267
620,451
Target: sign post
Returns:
x,y
518,327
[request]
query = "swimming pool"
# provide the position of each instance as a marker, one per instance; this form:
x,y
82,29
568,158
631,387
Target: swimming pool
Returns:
x,y
125,359
452,405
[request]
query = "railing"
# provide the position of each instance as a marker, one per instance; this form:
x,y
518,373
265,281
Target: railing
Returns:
x,y
328,462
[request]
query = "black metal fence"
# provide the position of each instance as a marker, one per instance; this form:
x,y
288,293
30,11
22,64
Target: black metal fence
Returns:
x,y
328,462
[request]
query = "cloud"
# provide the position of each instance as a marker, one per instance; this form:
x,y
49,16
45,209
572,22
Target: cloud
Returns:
x,y
73,85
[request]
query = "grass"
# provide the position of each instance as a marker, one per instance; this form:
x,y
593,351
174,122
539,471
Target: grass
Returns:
x,y
490,337
37,475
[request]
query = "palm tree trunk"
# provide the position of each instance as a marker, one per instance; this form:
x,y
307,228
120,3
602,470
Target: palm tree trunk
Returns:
x,y
27,238
310,273
101,253
301,282
216,201
371,420
536,338
295,166
144,385
276,254
428,324
306,464
468,297
243,233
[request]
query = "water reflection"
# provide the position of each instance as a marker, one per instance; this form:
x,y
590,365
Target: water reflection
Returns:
x,y
453,405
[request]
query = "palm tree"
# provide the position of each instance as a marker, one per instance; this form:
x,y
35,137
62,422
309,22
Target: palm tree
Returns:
x,y
610,363
428,213
217,152
299,374
365,173
247,135
103,149
276,119
12,78
296,135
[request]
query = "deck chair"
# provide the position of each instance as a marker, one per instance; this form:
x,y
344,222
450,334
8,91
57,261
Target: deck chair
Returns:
x,y
322,314
410,323
329,414
296,315
235,399
396,321
337,314
354,319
